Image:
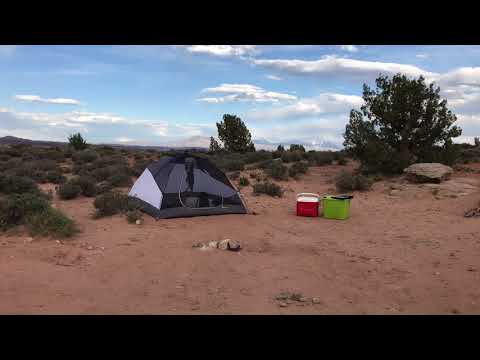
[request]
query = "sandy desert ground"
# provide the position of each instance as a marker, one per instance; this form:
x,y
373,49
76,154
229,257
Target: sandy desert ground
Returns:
x,y
404,252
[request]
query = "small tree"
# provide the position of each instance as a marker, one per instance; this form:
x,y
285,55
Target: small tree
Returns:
x,y
406,122
296,147
234,134
280,148
476,141
77,142
214,146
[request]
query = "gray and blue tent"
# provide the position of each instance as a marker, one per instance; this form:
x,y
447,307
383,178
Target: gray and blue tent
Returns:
x,y
183,186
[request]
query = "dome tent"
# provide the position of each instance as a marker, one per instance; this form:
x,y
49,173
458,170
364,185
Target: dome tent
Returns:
x,y
183,186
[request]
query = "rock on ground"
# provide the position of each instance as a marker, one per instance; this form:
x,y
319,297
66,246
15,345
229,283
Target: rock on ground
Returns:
x,y
428,172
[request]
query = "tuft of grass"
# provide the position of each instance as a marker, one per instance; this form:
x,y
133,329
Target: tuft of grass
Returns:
x,y
243,181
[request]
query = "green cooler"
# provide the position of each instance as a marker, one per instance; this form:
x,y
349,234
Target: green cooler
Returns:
x,y
336,206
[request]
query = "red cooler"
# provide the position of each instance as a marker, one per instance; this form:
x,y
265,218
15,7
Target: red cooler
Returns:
x,y
307,204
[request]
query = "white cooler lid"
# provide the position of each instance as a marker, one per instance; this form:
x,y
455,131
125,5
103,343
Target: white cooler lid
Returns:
x,y
307,199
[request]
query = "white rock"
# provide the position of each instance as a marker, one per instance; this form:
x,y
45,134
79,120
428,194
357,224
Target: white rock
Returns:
x,y
223,245
213,244
138,222
428,172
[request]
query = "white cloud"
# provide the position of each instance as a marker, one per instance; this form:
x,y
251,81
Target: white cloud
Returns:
x,y
124,139
311,107
222,50
349,48
334,66
422,56
244,93
274,77
36,98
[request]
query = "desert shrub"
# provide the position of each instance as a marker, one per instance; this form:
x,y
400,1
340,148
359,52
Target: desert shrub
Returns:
x,y
17,184
342,161
120,179
55,177
111,203
257,156
77,142
228,163
87,185
69,191
51,222
291,156
103,187
84,156
277,171
15,207
105,150
321,158
133,216
139,167
243,181
138,156
297,168
35,212
268,188
346,181
12,152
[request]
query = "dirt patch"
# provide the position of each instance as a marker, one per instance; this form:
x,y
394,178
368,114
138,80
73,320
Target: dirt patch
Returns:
x,y
395,255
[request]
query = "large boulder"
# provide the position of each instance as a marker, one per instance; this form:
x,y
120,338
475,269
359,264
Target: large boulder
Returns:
x,y
428,172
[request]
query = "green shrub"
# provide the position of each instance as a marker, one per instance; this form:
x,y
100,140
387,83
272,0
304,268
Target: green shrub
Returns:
x,y
323,158
87,185
297,168
243,181
342,161
17,184
257,156
277,171
69,191
268,188
120,180
111,203
103,187
139,167
291,156
15,207
51,222
55,177
133,216
346,181
233,165
35,212
85,156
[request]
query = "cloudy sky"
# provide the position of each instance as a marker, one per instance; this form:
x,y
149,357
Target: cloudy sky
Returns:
x,y
173,95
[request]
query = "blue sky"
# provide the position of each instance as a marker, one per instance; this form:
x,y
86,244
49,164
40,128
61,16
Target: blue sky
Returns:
x,y
173,95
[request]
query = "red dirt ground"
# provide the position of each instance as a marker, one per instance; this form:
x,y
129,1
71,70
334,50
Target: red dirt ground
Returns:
x,y
395,255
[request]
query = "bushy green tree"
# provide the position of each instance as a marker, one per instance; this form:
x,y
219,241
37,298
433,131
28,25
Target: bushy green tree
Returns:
x,y
235,135
77,141
296,147
401,122
214,146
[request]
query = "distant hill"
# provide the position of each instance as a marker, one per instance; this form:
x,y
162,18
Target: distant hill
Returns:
x,y
12,140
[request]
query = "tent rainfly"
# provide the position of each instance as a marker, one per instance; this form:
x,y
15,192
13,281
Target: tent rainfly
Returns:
x,y
185,186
